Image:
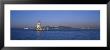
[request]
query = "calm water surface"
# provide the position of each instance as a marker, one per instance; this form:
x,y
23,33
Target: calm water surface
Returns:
x,y
21,34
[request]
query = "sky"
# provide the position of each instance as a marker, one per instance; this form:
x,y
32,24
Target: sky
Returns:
x,y
72,18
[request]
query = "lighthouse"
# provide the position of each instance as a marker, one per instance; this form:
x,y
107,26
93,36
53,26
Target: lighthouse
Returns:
x,y
38,26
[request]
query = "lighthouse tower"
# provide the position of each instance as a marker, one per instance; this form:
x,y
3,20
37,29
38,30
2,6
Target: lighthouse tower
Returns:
x,y
38,26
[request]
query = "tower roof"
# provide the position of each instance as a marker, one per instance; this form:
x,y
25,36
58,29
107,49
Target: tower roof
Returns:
x,y
38,21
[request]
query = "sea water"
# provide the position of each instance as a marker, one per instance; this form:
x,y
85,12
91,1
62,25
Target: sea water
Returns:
x,y
30,34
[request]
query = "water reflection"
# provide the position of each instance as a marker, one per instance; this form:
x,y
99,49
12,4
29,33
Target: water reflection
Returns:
x,y
21,34
39,32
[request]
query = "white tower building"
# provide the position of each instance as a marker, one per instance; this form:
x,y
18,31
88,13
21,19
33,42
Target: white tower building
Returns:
x,y
38,26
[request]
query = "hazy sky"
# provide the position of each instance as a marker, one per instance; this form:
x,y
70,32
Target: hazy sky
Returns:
x,y
73,18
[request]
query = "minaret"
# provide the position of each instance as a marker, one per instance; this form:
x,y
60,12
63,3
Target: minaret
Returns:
x,y
38,26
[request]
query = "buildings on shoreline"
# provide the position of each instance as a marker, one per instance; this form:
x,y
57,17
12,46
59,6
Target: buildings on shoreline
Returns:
x,y
40,27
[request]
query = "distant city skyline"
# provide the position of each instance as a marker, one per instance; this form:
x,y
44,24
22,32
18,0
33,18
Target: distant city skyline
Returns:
x,y
71,18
